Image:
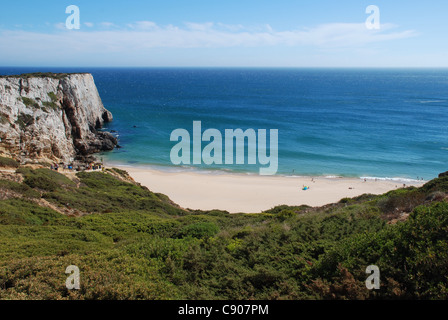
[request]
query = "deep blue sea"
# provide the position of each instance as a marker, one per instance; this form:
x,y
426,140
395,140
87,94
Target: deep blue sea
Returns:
x,y
334,122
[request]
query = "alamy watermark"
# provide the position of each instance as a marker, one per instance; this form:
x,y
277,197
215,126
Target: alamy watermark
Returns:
x,y
373,280
73,280
212,153
73,21
373,21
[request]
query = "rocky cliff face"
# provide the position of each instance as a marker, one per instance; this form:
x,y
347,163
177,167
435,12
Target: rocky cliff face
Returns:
x,y
52,117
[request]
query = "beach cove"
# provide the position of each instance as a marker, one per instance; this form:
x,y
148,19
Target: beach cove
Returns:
x,y
248,193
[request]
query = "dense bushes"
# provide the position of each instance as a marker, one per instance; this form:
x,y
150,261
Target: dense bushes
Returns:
x,y
19,188
402,200
412,257
99,192
137,245
24,212
44,179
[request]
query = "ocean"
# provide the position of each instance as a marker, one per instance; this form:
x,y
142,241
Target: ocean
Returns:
x,y
374,123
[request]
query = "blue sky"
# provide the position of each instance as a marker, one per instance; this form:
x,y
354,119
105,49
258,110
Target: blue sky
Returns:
x,y
254,33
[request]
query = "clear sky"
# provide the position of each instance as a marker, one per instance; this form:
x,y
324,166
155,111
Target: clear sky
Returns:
x,y
254,33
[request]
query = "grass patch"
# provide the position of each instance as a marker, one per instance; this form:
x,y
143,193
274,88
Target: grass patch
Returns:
x,y
8,162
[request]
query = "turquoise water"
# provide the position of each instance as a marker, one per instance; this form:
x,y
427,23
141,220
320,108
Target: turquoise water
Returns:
x,y
331,122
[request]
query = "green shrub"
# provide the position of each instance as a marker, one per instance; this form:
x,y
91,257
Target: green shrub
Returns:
x,y
25,212
50,104
280,208
30,102
44,179
52,96
402,200
24,120
19,188
8,162
200,230
439,184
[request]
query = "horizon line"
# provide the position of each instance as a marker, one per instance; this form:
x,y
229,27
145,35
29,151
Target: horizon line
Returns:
x,y
234,67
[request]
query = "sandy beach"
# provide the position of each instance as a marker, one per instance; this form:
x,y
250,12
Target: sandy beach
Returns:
x,y
252,193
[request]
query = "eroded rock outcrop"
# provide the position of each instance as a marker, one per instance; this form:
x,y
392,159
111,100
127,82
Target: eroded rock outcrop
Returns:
x,y
53,117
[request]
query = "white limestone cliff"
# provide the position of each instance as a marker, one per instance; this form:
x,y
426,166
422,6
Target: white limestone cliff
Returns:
x,y
52,117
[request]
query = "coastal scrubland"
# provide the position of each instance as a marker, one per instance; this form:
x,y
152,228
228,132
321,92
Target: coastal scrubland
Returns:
x,y
131,243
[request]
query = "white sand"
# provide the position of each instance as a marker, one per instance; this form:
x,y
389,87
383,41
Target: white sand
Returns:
x,y
253,193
